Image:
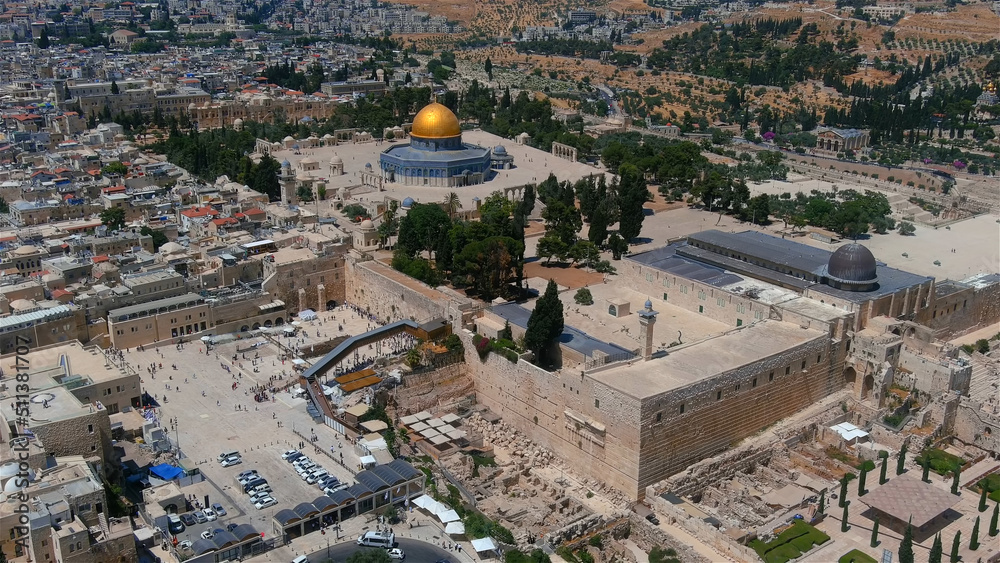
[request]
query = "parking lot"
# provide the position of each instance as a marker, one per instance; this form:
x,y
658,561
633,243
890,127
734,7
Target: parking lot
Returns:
x,y
212,418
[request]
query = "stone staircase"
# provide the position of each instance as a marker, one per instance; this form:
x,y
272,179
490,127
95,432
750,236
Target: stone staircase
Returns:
x,y
102,518
984,385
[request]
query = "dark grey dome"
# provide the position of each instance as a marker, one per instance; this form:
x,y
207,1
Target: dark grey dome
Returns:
x,y
852,263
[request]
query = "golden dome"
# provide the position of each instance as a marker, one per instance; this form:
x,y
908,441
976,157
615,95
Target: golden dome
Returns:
x,y
435,121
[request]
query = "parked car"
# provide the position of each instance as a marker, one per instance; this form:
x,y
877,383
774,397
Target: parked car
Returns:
x,y
207,535
200,517
231,527
340,487
289,454
210,514
327,481
186,544
258,495
188,519
218,509
174,524
396,553
231,461
653,519
264,503
295,457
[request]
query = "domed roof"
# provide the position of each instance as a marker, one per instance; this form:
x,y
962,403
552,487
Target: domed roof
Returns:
x,y
852,263
170,248
367,224
237,121
435,121
307,160
499,149
336,160
648,304
25,250
408,202
286,164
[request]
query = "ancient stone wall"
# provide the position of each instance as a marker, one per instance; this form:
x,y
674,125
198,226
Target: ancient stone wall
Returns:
x,y
648,536
973,425
689,424
425,391
391,295
87,435
963,310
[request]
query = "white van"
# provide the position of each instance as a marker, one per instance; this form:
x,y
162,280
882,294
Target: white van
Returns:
x,y
377,539
300,559
225,455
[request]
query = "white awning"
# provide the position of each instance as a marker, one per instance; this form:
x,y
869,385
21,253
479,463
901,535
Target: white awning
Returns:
x,y
455,529
448,516
848,431
484,544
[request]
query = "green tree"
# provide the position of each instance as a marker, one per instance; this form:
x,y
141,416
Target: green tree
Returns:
x,y
43,38
974,537
159,239
114,218
866,466
452,204
424,228
545,324
264,178
982,497
822,502
925,463
956,474
994,524
115,90
617,245
661,555
4,206
901,460
956,544
488,67
885,464
843,488
937,550
304,193
369,556
632,194
843,518
906,229
874,542
114,169
906,546
583,297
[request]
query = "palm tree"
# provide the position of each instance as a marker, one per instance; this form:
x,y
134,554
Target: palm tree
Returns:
x,y
452,204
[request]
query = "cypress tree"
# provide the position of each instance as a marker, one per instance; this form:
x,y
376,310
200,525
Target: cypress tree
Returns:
x,y
993,520
885,464
937,550
822,502
955,544
974,538
875,532
545,323
926,464
901,460
982,498
906,546
843,491
866,466
843,519
955,475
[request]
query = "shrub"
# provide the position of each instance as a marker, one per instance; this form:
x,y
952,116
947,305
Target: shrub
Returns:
x,y
596,541
856,556
583,297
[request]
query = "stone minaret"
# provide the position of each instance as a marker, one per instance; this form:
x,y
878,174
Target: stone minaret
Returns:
x,y
286,178
647,318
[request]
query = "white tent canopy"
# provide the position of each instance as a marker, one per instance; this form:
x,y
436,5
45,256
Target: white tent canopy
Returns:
x,y
455,529
484,544
430,505
307,315
448,516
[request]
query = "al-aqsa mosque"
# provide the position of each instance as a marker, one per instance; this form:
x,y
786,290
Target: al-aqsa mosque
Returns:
x,y
436,155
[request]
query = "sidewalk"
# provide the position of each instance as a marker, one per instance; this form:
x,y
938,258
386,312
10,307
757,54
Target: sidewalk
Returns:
x,y
429,530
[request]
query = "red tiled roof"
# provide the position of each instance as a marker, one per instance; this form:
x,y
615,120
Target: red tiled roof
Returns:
x,y
101,258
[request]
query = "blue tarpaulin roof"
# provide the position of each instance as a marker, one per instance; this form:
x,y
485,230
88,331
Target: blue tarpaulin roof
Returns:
x,y
166,471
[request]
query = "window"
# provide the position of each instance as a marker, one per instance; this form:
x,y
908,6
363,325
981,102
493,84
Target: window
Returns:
x,y
721,302
659,415
788,370
739,322
819,358
737,387
771,377
649,277
803,365
701,308
754,384
682,408
664,296
718,395
702,296
597,403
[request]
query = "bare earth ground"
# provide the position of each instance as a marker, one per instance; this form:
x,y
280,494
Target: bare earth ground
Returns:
x,y
571,277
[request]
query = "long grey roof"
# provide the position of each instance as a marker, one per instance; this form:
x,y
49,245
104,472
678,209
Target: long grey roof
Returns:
x,y
571,337
185,300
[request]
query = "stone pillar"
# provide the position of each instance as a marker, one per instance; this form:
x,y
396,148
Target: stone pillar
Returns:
x,y
321,297
647,319
302,299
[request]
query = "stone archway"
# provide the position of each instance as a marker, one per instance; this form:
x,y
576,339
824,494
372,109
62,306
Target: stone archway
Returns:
x,y
244,328
279,321
867,386
895,330
256,326
331,304
268,323
850,376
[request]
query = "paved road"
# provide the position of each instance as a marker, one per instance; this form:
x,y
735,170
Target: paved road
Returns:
x,y
415,550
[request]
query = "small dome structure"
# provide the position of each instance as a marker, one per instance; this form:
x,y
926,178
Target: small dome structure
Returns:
x,y
367,225
238,124
499,149
408,202
853,268
335,159
286,164
170,248
25,250
307,160
648,305
288,139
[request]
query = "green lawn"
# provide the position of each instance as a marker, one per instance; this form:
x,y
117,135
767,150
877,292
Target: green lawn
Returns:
x,y
790,544
855,556
992,484
942,462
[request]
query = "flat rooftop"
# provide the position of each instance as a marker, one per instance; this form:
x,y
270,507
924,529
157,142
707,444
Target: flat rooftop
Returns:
x,y
169,303
691,364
